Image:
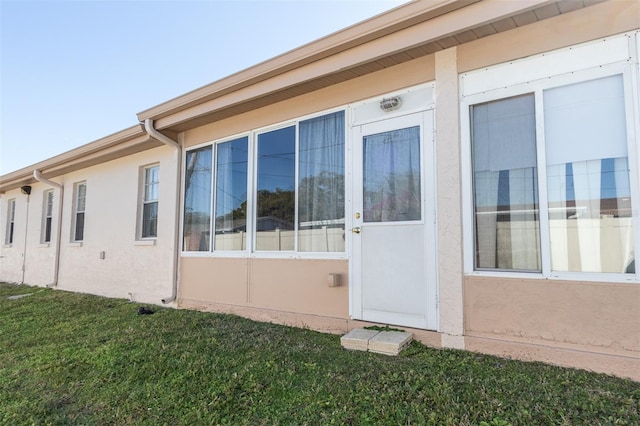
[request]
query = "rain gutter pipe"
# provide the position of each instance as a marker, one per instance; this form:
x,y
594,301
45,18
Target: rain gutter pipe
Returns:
x,y
56,268
151,131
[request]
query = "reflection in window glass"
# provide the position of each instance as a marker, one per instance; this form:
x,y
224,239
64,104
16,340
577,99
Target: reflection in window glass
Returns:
x,y
505,185
321,184
197,200
392,176
276,190
231,195
588,177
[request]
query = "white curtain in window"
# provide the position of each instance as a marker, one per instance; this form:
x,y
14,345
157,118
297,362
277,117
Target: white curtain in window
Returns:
x,y
321,184
392,190
504,159
224,182
588,176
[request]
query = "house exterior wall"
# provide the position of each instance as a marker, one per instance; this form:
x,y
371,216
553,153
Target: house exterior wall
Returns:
x,y
588,321
575,321
12,255
475,312
296,286
132,268
585,324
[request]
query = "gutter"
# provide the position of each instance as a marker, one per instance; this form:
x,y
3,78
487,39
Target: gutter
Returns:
x,y
38,176
151,131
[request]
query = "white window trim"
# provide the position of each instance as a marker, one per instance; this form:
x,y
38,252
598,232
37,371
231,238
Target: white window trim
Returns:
x,y
252,135
142,184
629,71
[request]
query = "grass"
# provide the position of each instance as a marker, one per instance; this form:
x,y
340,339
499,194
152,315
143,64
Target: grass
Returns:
x,y
69,358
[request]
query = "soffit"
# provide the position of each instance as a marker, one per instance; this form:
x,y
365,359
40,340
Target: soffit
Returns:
x,y
451,24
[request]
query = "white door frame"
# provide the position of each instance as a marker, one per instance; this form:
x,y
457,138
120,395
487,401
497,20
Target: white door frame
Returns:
x,y
428,166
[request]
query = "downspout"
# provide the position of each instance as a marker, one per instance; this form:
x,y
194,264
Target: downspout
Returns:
x,y
26,232
56,266
151,131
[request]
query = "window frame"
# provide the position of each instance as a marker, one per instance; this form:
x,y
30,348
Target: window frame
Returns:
x,y
11,222
537,87
252,135
143,201
47,216
76,212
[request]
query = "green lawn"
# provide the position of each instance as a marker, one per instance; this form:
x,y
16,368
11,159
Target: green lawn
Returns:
x,y
68,358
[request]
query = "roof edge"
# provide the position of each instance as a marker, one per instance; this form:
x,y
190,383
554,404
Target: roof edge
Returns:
x,y
13,179
377,26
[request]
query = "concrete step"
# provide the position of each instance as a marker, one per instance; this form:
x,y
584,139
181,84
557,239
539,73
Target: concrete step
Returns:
x,y
382,342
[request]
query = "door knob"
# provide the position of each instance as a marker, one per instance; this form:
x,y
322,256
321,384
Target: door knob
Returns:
x,y
356,230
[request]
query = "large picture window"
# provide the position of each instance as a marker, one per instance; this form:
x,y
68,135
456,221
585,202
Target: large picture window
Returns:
x,y
586,179
297,178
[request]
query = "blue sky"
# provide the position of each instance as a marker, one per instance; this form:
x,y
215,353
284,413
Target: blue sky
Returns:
x,y
72,72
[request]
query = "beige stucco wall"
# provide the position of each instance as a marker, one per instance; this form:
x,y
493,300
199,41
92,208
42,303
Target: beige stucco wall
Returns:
x,y
289,285
400,76
570,316
593,22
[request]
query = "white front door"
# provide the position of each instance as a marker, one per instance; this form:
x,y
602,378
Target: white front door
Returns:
x,y
393,239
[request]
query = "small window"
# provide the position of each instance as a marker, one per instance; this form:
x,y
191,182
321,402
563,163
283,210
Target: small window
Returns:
x,y
11,216
47,216
80,195
150,184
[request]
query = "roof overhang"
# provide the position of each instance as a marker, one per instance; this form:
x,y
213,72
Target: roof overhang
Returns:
x,y
410,31
120,144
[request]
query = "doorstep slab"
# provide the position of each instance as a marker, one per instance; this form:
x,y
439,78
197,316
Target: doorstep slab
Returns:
x,y
390,342
358,339
382,342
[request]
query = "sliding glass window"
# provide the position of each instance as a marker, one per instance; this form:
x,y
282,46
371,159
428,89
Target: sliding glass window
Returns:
x,y
197,200
279,190
231,195
589,193
276,183
507,228
321,184
586,173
